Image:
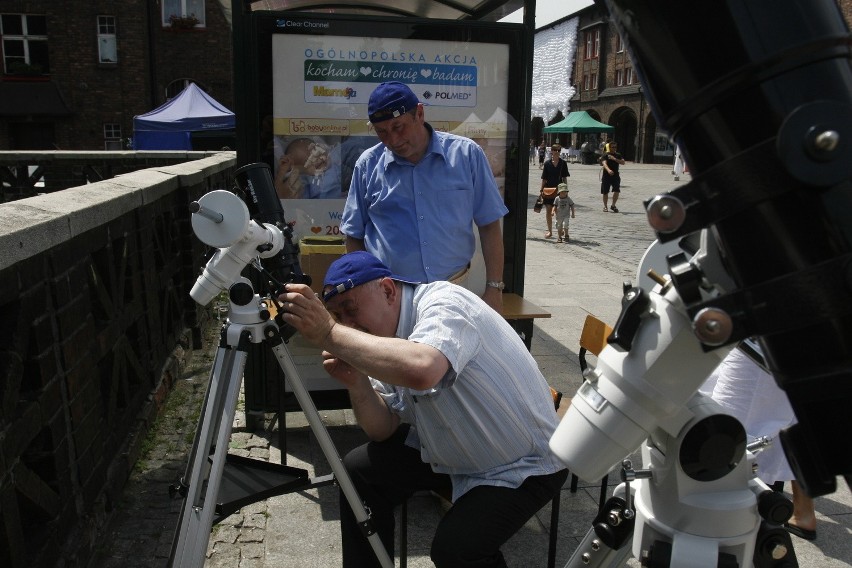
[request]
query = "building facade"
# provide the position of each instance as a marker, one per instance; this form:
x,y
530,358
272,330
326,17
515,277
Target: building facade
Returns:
x,y
608,88
75,73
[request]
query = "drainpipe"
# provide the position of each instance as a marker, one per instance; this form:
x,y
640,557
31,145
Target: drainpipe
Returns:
x,y
153,22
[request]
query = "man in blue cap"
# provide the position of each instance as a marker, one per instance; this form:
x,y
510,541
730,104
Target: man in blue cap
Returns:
x,y
415,197
450,398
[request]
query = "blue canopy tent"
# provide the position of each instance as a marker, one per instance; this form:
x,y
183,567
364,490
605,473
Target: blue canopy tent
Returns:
x,y
171,126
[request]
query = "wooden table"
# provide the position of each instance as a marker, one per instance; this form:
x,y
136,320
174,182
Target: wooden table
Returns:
x,y
521,313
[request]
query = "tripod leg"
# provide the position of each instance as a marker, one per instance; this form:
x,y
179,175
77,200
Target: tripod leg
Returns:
x,y
207,460
330,452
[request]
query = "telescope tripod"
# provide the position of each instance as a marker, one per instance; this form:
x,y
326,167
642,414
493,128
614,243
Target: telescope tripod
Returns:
x,y
216,483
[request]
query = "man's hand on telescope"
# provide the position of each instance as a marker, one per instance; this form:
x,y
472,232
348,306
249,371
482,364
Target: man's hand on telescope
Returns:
x,y
305,311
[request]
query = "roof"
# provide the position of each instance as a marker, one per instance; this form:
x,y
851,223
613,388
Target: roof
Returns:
x,y
485,10
579,121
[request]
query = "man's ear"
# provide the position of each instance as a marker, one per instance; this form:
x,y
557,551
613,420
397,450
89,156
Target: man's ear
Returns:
x,y
389,289
420,113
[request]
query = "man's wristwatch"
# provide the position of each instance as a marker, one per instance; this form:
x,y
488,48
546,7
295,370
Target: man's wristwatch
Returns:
x,y
495,284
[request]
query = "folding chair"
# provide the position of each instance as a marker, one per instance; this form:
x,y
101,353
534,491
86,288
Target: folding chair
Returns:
x,y
592,340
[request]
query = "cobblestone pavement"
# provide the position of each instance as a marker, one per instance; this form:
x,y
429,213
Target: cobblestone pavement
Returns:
x,y
300,530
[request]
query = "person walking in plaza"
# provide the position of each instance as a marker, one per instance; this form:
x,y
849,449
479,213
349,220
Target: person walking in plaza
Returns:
x,y
542,152
450,398
610,178
416,196
555,171
564,206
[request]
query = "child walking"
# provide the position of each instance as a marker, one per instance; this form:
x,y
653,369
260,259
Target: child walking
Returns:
x,y
563,205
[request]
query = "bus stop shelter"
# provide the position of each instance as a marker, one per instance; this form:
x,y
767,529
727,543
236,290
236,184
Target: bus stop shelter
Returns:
x,y
260,28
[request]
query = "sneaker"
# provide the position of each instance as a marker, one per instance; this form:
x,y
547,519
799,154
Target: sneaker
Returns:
x,y
614,209
559,240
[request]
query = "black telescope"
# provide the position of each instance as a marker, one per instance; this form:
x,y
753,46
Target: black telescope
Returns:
x,y
758,95
255,183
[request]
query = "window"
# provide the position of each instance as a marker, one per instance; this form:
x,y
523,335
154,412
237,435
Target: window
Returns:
x,y
593,43
619,77
585,82
594,81
184,11
112,136
24,44
629,73
619,45
107,50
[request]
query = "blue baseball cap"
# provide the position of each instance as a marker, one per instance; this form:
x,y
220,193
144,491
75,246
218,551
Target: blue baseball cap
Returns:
x,y
353,269
390,100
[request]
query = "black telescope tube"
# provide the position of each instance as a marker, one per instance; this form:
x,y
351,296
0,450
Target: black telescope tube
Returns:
x,y
758,94
255,182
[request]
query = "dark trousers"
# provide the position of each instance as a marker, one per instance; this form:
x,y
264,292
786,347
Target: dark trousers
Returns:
x,y
470,534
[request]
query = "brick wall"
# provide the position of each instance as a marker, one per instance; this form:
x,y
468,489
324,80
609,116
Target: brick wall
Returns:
x,y
180,51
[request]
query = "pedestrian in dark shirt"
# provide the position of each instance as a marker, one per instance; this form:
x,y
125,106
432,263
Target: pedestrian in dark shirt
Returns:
x,y
610,178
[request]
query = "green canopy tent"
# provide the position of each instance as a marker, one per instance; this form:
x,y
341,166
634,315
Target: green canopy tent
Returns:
x,y
579,122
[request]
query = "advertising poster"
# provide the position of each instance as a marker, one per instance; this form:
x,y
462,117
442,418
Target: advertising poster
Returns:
x,y
321,84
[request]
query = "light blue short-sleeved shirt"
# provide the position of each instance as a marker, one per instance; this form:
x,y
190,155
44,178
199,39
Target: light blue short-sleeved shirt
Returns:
x,y
489,420
419,218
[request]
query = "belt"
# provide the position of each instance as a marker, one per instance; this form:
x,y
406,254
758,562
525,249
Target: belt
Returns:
x,y
460,275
